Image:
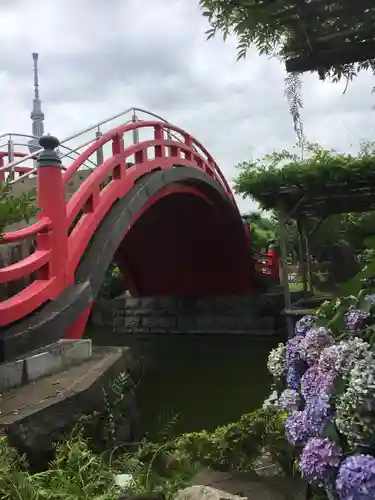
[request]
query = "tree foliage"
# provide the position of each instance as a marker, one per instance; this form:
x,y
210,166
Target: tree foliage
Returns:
x,y
260,24
15,208
263,180
262,230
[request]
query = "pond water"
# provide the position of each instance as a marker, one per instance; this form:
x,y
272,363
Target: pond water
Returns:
x,y
206,380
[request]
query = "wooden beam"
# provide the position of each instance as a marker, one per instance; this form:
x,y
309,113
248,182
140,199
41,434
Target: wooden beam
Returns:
x,y
349,53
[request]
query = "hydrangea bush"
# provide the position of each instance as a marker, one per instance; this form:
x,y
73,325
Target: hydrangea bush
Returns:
x,y
325,379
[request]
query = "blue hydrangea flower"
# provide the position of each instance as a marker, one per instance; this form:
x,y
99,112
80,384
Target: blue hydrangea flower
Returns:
x,y
356,478
303,325
318,413
319,460
316,381
295,365
310,422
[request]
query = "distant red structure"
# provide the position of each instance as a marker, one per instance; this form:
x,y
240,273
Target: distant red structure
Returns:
x,y
169,220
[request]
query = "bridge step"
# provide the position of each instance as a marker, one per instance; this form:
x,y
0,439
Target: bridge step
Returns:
x,y
43,362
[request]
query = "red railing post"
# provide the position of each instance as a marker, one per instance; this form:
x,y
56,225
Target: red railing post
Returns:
x,y
51,203
2,173
275,262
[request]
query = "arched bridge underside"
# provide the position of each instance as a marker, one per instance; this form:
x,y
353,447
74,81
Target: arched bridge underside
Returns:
x,y
177,231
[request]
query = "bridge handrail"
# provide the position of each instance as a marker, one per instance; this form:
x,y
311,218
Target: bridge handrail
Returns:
x,y
111,134
28,232
26,156
82,132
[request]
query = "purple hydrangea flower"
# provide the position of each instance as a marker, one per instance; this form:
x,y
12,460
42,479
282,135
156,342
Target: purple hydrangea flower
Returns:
x,y
303,325
315,340
290,400
296,367
341,358
355,320
315,382
319,460
296,428
310,422
356,478
318,413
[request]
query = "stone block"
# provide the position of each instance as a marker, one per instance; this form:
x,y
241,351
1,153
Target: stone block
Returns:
x,y
132,322
40,365
57,357
205,321
132,303
212,485
186,322
11,375
149,303
159,322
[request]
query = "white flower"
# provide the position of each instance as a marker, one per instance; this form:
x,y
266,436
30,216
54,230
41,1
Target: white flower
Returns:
x,y
276,363
272,401
355,409
290,400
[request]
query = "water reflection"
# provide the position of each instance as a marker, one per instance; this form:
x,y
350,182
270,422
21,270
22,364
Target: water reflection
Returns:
x,y
208,381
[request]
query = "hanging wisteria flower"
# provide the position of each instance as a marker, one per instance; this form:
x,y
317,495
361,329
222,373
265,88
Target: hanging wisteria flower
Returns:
x,y
355,320
290,400
304,324
356,478
276,363
341,358
296,366
355,408
315,340
319,460
316,381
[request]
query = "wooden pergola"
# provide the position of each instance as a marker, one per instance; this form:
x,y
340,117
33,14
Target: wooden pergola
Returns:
x,y
299,204
328,33
322,36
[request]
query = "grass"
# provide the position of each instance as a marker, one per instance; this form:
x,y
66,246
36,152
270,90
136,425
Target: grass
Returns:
x,y
78,472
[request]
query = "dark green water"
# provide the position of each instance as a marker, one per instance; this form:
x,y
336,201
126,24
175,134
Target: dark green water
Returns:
x,y
207,381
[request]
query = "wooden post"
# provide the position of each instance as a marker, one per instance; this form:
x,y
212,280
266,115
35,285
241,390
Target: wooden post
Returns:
x,y
308,258
284,271
302,256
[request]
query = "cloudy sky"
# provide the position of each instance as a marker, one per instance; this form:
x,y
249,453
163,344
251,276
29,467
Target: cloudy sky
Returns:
x,y
98,57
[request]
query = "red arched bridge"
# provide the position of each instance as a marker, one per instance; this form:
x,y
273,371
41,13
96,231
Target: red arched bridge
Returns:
x,y
159,206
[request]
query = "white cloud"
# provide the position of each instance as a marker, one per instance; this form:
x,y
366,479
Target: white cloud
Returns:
x,y
98,57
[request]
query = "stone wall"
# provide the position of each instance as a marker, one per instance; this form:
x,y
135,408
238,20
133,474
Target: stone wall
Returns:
x,y
252,315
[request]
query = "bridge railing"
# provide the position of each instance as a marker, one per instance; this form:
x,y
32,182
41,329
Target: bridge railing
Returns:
x,y
76,143
64,228
268,263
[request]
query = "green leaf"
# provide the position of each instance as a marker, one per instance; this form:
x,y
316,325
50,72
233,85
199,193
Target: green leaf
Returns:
x,y
331,432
